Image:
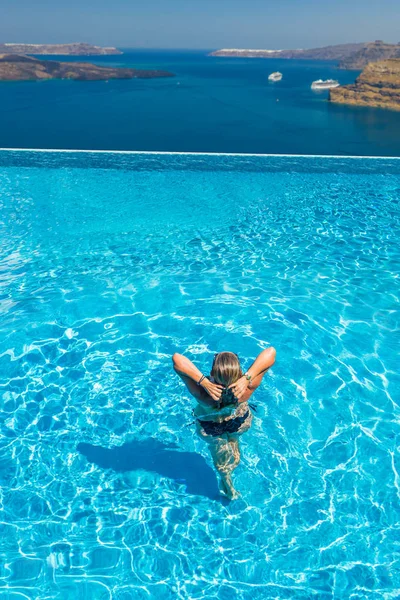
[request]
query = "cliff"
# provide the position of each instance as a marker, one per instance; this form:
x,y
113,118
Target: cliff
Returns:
x,y
78,49
15,67
338,52
349,56
377,86
372,52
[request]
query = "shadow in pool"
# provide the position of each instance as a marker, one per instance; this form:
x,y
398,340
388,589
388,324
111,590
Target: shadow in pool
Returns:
x,y
188,468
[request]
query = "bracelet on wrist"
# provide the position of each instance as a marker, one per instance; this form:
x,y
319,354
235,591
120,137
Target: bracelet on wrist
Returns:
x,y
200,380
248,377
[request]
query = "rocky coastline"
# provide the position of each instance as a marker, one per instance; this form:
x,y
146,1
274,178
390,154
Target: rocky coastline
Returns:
x,y
348,56
17,67
337,52
75,49
378,86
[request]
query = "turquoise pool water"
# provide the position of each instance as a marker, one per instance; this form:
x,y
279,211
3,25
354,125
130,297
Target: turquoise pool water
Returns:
x,y
111,262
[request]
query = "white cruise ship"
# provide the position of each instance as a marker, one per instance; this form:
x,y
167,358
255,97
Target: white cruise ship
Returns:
x,y
326,84
276,76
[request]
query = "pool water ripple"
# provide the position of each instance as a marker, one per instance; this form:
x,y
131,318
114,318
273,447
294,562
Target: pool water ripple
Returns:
x,y
105,271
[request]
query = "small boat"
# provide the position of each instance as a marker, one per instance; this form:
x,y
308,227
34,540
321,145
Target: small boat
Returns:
x,y
276,76
326,84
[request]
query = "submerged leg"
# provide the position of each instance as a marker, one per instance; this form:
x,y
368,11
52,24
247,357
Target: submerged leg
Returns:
x,y
224,461
234,443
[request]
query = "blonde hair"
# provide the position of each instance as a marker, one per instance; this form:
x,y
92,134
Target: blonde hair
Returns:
x,y
226,368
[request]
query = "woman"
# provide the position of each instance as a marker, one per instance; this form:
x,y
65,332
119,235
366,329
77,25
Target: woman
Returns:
x,y
222,413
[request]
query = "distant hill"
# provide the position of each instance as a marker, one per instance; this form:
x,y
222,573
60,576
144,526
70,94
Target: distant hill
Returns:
x,y
349,56
370,53
16,67
338,52
76,49
377,86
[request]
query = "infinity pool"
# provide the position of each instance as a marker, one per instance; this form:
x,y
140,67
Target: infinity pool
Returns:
x,y
111,262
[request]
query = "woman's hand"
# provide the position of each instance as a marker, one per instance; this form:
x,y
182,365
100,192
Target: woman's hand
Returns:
x,y
213,389
239,387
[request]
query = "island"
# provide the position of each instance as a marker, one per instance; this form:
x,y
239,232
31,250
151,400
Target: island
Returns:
x,y
337,52
75,49
377,86
17,67
349,56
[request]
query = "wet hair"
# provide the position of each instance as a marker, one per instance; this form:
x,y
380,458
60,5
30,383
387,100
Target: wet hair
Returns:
x,y
225,371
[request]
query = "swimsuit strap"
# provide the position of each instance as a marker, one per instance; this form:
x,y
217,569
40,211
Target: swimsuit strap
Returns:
x,y
252,406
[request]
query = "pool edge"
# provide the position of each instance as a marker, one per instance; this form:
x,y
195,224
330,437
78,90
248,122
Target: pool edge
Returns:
x,y
156,152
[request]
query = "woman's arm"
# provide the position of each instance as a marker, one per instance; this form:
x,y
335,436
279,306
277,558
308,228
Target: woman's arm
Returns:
x,y
207,392
244,387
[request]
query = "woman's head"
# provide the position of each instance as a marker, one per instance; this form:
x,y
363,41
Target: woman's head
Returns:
x,y
226,368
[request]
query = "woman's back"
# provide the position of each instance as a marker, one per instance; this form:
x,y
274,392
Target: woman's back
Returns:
x,y
220,413
227,406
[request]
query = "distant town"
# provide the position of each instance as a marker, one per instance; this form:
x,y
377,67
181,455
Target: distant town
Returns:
x,y
349,56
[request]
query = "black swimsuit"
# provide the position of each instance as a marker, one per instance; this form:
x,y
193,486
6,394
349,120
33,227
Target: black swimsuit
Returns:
x,y
229,426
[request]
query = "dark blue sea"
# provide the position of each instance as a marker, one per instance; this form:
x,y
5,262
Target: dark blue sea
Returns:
x,y
212,105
